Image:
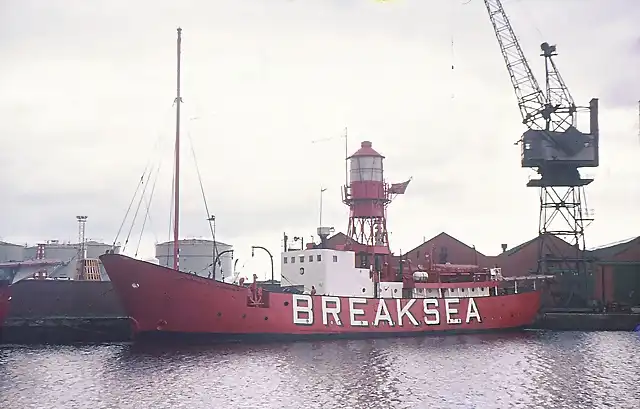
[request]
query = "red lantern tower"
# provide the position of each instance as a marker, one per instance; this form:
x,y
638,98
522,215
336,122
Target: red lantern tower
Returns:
x,y
367,195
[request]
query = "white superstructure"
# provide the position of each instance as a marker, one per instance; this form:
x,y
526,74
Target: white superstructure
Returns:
x,y
331,272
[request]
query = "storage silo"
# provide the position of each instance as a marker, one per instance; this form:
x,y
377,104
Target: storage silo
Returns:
x,y
54,250
11,252
95,249
196,256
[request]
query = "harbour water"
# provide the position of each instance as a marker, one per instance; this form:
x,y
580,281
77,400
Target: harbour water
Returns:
x,y
535,369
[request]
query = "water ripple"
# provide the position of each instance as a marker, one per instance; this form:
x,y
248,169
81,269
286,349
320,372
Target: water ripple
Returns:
x,y
531,370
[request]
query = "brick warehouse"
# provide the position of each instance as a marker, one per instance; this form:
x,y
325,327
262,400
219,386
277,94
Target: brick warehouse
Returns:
x,y
613,274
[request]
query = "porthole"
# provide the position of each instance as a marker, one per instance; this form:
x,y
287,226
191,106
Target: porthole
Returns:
x,y
301,271
286,303
266,318
364,290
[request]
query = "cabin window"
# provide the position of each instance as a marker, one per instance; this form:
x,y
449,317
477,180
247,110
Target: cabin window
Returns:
x,y
310,259
318,257
335,259
293,260
285,260
302,259
301,271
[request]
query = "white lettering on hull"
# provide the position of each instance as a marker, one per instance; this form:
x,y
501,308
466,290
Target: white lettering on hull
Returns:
x,y
334,311
450,311
402,311
472,311
297,309
432,310
382,314
431,316
353,311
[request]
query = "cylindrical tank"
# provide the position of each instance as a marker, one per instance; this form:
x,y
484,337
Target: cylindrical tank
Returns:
x,y
11,252
196,256
96,249
54,250
420,276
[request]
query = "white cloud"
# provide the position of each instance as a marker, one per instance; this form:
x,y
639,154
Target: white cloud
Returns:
x,y
86,89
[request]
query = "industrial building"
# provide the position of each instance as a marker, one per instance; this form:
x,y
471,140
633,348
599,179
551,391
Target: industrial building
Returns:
x,y
197,257
612,277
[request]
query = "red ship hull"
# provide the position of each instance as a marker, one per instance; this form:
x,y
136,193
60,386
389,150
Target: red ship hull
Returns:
x,y
162,302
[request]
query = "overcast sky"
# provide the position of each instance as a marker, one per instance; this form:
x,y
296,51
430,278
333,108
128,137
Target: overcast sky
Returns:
x,y
86,93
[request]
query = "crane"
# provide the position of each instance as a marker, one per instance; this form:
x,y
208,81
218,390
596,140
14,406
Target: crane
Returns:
x,y
554,147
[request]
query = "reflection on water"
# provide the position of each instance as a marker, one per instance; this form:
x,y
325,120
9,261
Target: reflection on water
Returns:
x,y
534,369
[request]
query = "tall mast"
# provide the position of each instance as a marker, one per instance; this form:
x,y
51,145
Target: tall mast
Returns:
x,y
176,192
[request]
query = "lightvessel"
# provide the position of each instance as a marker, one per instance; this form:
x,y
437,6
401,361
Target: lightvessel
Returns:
x,y
355,289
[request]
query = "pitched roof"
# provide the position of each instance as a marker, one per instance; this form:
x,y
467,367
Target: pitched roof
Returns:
x,y
443,234
520,246
614,249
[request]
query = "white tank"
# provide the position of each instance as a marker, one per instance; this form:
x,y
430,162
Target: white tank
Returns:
x,y
11,252
196,256
420,276
66,251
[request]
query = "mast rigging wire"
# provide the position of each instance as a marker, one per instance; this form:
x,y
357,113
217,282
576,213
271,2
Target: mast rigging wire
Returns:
x,y
148,207
204,199
146,184
135,193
